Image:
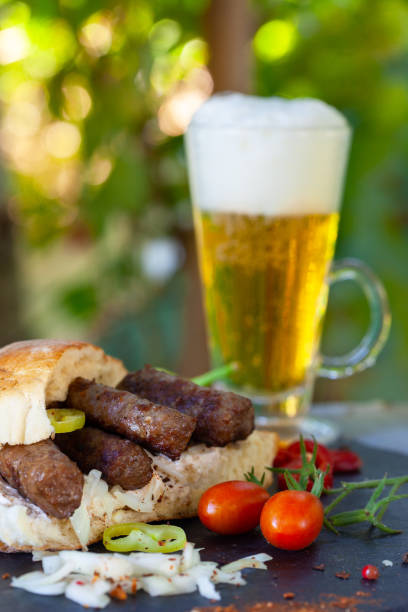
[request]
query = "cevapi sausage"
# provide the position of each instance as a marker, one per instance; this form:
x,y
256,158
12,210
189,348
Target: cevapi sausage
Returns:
x,y
158,428
44,475
222,416
121,461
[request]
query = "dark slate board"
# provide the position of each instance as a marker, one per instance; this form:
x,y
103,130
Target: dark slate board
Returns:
x,y
287,572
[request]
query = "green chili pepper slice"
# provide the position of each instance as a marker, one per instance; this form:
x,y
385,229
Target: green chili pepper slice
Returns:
x,y
65,420
144,538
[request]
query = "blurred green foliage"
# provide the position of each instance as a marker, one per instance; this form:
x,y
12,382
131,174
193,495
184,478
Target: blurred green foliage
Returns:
x,y
94,98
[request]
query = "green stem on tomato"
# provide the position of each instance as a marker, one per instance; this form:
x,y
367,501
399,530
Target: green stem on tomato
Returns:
x,y
208,377
329,526
388,499
350,517
384,528
214,375
367,484
393,490
282,470
336,501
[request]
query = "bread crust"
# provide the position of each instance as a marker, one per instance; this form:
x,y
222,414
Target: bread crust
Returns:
x,y
36,372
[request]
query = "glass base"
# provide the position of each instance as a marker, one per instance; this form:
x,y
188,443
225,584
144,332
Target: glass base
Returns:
x,y
287,413
290,429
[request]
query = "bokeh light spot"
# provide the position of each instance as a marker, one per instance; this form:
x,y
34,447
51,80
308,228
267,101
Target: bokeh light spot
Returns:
x,y
194,53
164,35
78,101
99,170
42,65
176,111
62,139
96,37
14,45
274,40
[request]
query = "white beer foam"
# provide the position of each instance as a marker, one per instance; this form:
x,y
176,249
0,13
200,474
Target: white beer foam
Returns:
x,y
267,156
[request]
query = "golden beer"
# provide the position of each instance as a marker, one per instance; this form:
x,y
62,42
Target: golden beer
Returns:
x,y
265,293
266,177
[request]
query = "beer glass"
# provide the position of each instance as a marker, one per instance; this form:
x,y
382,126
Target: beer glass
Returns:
x,y
266,178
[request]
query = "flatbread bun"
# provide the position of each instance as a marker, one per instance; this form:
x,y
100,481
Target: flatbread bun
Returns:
x,y
37,372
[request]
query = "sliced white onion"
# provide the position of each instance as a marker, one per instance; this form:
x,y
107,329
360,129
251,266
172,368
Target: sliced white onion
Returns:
x,y
38,555
155,563
90,595
43,589
256,561
189,557
106,565
80,520
39,578
203,568
87,578
27,578
141,500
159,585
228,578
51,564
207,588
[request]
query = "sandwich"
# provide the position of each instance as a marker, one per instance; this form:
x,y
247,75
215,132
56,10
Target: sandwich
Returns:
x,y
152,443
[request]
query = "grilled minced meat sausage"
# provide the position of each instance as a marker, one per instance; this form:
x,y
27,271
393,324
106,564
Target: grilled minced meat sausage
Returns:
x,y
44,475
222,416
121,461
159,428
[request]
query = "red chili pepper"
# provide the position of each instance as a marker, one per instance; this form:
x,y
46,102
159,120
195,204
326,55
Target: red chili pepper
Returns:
x,y
282,458
296,464
323,453
344,460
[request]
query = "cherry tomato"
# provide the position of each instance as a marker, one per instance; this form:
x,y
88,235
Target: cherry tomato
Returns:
x,y
370,572
232,507
292,520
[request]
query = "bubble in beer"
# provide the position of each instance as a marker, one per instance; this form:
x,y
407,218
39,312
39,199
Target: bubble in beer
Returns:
x,y
267,156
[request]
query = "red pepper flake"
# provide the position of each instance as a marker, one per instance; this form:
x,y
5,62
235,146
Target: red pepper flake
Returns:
x,y
134,586
288,596
80,582
319,568
5,576
344,603
405,559
118,593
342,575
95,577
370,572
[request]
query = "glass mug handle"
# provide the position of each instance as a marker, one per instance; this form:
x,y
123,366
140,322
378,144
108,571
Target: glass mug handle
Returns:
x,y
366,353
